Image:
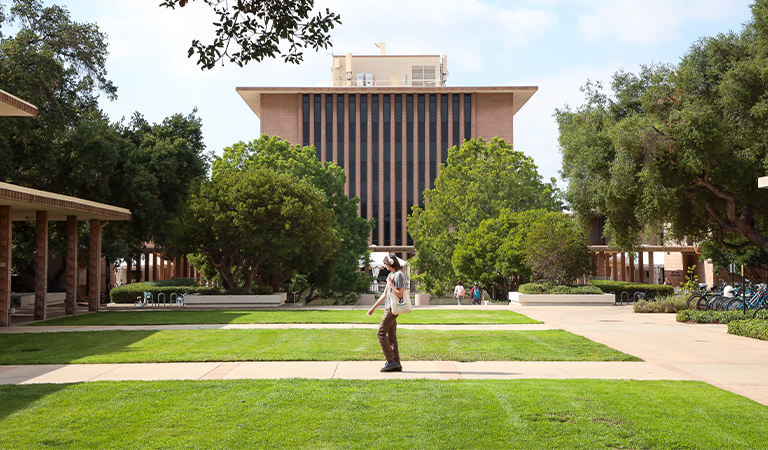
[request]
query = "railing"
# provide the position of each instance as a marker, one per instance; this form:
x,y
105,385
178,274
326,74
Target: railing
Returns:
x,y
379,83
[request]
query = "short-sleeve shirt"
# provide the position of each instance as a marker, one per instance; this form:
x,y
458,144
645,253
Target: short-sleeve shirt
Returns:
x,y
398,279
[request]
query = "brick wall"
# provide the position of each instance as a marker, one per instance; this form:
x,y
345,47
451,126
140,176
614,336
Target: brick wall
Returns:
x,y
494,116
280,116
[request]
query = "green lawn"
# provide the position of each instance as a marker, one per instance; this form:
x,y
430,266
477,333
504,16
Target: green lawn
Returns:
x,y
297,345
423,316
419,414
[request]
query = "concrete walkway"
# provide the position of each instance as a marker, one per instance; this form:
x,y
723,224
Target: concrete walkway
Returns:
x,y
671,351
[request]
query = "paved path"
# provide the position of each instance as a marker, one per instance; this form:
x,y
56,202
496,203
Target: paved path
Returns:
x,y
671,351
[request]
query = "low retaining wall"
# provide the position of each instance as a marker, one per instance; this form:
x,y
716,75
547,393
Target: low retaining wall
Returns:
x,y
235,301
565,299
55,298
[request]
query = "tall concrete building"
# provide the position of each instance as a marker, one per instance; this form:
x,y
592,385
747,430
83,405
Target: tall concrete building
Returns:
x,y
389,122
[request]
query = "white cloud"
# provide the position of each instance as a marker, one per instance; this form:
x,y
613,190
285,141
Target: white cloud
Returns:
x,y
649,22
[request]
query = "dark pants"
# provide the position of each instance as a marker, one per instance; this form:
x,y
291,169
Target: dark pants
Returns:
x,y
388,336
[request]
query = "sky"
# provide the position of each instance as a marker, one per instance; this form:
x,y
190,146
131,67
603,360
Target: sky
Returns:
x,y
556,45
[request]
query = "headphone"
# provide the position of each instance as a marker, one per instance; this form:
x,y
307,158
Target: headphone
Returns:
x,y
390,260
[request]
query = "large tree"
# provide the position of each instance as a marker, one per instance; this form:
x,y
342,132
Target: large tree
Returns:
x,y
480,180
340,274
71,147
256,225
677,149
256,29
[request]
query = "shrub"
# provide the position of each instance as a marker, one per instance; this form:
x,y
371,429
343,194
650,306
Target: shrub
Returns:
x,y
130,292
670,304
548,288
556,249
752,328
689,315
650,290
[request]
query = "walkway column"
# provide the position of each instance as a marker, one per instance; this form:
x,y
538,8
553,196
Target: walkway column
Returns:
x,y
94,266
138,266
607,262
642,267
615,273
41,265
651,271
162,267
128,270
185,268
6,249
71,298
631,268
146,266
595,262
155,270
623,267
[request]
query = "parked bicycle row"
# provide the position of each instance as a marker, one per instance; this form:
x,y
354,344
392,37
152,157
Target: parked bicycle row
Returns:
x,y
738,297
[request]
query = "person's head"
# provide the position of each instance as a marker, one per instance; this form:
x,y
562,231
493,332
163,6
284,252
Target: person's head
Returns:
x,y
475,284
391,262
459,283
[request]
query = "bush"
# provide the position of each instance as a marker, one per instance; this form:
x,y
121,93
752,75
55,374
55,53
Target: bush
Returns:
x,y
670,304
548,288
128,293
689,315
753,328
650,290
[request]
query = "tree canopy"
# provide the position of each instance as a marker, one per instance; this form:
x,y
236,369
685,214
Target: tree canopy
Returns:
x,y
677,149
480,180
256,225
71,147
256,29
340,274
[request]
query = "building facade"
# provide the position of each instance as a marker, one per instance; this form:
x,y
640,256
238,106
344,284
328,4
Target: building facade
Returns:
x,y
388,121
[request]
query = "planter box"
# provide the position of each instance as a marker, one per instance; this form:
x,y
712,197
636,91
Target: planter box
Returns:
x,y
560,300
235,301
422,300
55,298
367,299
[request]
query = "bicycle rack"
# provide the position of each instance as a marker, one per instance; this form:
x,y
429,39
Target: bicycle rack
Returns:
x,y
640,295
623,293
158,298
614,297
177,298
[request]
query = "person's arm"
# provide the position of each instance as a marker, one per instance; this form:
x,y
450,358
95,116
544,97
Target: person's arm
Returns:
x,y
378,302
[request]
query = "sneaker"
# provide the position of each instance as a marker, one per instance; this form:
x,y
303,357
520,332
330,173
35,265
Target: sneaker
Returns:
x,y
399,368
391,367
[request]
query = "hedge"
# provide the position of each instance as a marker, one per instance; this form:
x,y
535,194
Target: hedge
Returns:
x,y
671,304
694,316
547,288
617,287
753,328
129,293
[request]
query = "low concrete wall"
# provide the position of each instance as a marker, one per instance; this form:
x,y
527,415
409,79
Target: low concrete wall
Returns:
x,y
422,300
367,299
567,299
235,301
54,298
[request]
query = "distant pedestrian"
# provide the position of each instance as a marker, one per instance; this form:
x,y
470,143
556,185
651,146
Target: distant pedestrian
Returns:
x,y
387,333
667,282
477,295
459,292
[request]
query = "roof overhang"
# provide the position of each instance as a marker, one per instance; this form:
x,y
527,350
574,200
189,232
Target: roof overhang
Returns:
x,y
25,203
252,95
14,106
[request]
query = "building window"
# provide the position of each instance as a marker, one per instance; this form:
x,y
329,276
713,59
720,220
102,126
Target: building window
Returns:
x,y
318,126
328,127
364,156
375,166
409,153
432,140
444,128
422,144
398,169
387,168
305,121
456,137
340,130
352,146
467,116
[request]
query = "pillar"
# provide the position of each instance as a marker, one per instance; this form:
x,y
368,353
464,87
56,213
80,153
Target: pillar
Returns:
x,y
615,273
185,267
642,267
71,298
631,267
129,270
146,266
94,265
651,271
623,267
6,249
607,262
138,266
594,265
41,265
162,268
177,267
154,266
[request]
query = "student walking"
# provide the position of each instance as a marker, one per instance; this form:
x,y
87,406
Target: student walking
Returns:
x,y
387,333
459,292
477,295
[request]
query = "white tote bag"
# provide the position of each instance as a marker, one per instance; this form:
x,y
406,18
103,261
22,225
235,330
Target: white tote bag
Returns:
x,y
400,305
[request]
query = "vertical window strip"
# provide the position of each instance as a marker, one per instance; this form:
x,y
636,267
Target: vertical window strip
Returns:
x,y
375,166
328,127
318,137
340,130
456,118
422,150
364,160
467,116
398,168
432,140
352,148
386,163
305,120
